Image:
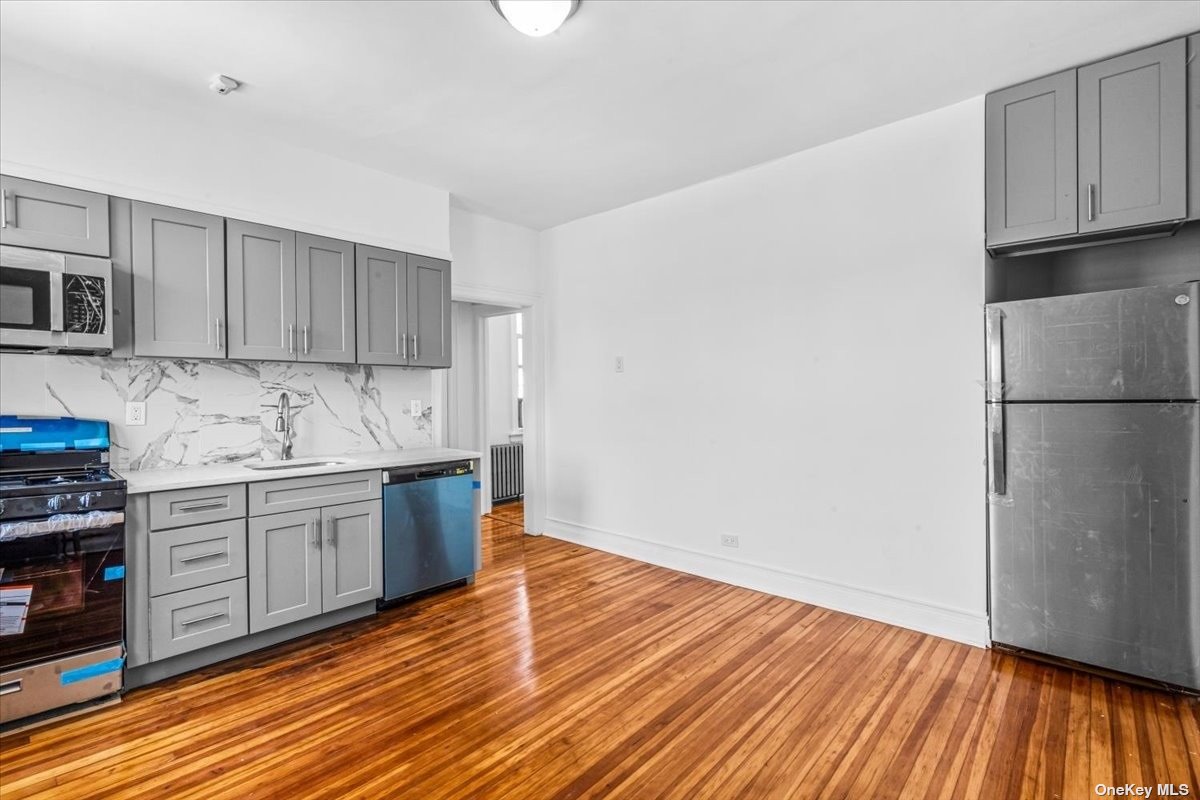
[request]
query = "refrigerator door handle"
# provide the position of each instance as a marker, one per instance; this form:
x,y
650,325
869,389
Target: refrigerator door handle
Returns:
x,y
996,471
995,356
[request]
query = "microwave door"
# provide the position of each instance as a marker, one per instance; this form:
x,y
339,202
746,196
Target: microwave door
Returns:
x,y
31,308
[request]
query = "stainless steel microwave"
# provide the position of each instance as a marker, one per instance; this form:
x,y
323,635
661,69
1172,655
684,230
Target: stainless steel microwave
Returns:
x,y
54,302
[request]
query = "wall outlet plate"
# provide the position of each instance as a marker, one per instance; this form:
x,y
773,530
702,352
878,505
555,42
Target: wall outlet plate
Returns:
x,y
620,363
414,408
135,413
729,540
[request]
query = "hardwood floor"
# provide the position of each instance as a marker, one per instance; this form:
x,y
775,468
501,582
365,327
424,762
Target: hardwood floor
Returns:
x,y
567,672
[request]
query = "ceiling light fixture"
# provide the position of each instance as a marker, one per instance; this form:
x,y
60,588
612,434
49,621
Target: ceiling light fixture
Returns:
x,y
536,17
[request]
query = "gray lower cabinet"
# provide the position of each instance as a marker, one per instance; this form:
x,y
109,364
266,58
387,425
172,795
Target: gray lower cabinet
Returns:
x,y
285,568
178,283
1029,147
352,559
304,563
198,555
49,217
196,618
381,283
1132,139
428,311
261,263
325,299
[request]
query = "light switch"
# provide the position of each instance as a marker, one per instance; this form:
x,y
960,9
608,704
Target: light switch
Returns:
x,y
135,413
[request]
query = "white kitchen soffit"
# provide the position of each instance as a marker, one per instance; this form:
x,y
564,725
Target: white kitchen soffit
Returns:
x,y
628,100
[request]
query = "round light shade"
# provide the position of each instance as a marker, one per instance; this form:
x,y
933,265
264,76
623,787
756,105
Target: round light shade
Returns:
x,y
536,17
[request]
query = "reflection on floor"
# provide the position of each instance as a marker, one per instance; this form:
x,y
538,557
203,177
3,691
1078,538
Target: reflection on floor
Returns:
x,y
504,533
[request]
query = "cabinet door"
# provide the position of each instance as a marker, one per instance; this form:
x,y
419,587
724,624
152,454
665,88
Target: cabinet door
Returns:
x,y
262,291
325,299
285,568
1029,133
381,283
53,217
428,312
352,563
1193,81
1132,148
178,283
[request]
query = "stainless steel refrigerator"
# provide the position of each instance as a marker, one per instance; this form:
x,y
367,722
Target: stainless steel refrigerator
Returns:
x,y
1094,479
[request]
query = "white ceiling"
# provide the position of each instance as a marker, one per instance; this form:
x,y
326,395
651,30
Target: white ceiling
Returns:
x,y
628,100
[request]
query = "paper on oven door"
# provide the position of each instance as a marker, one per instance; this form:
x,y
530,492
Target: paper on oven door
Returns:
x,y
14,608
59,523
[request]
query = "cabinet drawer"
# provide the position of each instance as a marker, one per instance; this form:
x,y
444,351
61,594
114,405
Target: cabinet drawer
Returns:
x,y
196,506
53,217
196,618
198,555
295,494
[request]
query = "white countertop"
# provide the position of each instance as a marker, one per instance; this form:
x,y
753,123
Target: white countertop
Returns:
x,y
159,480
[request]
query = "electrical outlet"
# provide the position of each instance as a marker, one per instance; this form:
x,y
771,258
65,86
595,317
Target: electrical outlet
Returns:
x,y
135,413
414,408
620,363
729,540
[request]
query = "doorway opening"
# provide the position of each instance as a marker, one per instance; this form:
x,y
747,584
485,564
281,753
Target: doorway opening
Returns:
x,y
504,416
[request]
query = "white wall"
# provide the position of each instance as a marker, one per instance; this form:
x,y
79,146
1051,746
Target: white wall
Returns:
x,y
491,256
56,130
501,380
802,343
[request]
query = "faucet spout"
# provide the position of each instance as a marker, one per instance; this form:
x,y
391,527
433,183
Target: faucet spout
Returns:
x,y
283,424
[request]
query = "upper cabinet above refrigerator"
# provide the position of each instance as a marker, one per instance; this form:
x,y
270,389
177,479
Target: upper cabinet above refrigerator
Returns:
x,y
1123,121
49,217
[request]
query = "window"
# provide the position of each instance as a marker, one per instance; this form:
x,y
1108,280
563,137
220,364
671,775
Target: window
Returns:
x,y
519,335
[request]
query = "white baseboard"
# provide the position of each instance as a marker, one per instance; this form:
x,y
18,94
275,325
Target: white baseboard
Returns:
x,y
949,623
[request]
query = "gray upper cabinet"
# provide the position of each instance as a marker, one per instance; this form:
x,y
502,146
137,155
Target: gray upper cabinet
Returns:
x,y
1132,139
1029,135
285,568
53,217
428,312
325,299
262,291
178,283
381,282
1193,80
352,565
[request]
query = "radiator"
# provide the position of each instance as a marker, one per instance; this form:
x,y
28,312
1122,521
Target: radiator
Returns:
x,y
508,471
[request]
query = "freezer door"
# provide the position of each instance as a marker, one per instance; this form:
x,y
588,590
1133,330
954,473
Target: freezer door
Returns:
x,y
1095,540
1134,344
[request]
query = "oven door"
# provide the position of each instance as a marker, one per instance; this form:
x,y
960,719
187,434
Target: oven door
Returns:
x,y
61,593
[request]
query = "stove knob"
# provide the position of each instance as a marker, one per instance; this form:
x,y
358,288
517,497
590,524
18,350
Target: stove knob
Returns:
x,y
54,502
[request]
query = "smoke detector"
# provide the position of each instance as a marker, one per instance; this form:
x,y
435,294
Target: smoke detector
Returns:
x,y
223,84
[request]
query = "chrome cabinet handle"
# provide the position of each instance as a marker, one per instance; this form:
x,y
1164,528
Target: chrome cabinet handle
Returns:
x,y
306,347
416,353
10,687
4,211
291,338
217,343
203,506
206,618
404,347
189,559
317,532
332,538
1091,202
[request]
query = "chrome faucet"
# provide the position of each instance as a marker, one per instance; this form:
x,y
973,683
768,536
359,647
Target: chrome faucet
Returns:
x,y
283,424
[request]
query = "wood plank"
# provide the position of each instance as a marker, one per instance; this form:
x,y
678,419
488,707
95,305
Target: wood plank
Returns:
x,y
568,672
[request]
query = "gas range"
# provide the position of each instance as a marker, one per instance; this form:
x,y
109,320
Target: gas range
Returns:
x,y
55,465
39,494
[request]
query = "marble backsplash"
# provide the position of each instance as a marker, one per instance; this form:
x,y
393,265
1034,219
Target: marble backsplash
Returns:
x,y
202,412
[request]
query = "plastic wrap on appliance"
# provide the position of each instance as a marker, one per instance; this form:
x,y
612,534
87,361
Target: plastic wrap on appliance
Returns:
x,y
59,523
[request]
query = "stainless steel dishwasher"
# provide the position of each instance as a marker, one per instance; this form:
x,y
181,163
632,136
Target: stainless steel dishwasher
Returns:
x,y
428,528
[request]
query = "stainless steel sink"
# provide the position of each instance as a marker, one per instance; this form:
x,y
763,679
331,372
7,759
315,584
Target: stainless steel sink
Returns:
x,y
299,463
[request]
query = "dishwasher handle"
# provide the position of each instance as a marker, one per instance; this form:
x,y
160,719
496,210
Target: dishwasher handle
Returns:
x,y
427,472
